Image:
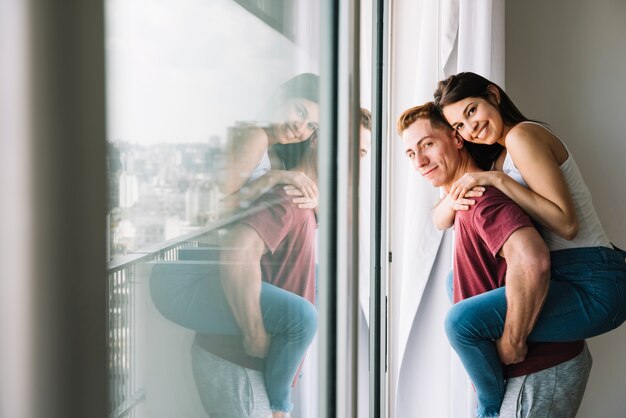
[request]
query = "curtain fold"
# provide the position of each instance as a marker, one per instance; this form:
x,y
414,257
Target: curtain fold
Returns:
x,y
440,38
419,240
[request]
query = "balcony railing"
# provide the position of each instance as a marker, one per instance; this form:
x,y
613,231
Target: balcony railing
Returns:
x,y
126,318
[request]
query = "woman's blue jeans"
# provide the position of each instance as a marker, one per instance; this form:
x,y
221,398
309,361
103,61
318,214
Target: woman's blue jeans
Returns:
x,y
191,295
586,298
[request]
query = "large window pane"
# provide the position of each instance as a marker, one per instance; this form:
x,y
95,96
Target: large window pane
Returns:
x,y
213,114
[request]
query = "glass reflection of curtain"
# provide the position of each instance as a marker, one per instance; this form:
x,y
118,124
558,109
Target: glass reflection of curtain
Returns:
x,y
434,40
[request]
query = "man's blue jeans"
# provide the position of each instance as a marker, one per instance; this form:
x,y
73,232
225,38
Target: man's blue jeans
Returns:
x,y
191,295
587,297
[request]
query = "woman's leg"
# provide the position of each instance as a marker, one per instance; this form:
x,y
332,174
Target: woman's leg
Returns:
x,y
471,325
192,296
292,321
587,297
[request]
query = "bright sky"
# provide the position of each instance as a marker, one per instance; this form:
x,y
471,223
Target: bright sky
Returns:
x,y
181,71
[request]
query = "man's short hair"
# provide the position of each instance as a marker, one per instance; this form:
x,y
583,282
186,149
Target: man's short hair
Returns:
x,y
366,119
426,111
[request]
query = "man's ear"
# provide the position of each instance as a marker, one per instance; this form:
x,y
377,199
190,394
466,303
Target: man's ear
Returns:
x,y
459,142
494,94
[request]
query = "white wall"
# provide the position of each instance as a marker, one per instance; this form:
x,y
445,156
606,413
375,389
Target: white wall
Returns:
x,y
566,65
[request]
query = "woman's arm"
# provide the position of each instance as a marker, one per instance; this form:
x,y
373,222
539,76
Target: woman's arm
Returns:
x,y
306,188
551,203
443,214
548,201
245,151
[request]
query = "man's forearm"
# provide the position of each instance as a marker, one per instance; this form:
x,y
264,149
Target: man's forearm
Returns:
x,y
527,282
242,286
526,292
241,280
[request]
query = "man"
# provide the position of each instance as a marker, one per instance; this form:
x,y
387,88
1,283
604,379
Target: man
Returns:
x,y
251,303
497,244
274,245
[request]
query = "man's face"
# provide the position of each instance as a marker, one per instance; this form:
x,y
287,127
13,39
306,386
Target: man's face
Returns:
x,y
365,136
433,151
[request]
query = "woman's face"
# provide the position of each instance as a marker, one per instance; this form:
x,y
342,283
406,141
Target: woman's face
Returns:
x,y
476,120
295,121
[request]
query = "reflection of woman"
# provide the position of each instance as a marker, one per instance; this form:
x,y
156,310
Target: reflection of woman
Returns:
x,y
535,169
254,166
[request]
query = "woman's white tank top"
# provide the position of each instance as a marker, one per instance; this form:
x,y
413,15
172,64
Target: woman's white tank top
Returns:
x,y
262,168
590,230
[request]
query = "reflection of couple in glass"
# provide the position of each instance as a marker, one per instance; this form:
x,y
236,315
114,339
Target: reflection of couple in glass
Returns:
x,y
253,307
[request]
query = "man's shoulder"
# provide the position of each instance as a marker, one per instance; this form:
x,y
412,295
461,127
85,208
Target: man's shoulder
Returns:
x,y
493,194
279,198
494,214
276,203
276,218
493,199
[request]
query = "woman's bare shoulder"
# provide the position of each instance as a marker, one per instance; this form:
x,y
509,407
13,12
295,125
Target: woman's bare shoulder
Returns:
x,y
532,138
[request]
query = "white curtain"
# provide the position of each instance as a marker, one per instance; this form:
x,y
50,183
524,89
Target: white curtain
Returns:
x,y
432,40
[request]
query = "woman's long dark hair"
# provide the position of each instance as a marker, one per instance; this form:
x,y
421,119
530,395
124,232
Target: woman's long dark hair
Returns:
x,y
291,154
467,84
302,86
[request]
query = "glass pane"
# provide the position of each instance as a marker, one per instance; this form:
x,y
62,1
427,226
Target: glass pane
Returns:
x,y
365,208
213,113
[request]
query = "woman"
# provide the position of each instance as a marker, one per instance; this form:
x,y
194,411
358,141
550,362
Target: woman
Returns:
x,y
262,155
534,168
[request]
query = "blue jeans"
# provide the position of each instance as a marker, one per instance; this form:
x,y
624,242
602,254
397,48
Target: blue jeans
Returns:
x,y
587,297
191,295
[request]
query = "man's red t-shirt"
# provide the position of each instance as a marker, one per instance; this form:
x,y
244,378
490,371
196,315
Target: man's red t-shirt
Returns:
x,y
481,232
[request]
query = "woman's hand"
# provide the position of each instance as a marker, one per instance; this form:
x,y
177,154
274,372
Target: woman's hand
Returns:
x,y
302,201
444,213
463,202
468,181
298,185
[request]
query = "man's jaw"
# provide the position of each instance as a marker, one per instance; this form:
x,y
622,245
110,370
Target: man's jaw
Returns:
x,y
427,174
428,171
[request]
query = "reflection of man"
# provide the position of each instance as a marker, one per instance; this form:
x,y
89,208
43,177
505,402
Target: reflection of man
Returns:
x,y
496,244
274,245
253,309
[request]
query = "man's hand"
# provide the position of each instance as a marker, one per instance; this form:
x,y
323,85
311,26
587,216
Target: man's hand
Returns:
x,y
257,346
509,352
